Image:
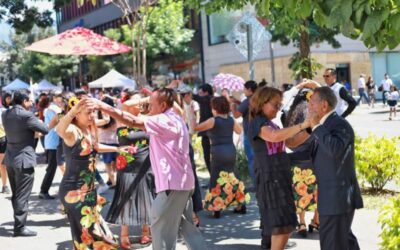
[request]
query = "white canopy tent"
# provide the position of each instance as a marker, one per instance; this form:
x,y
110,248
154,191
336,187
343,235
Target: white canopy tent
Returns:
x,y
113,79
45,85
16,84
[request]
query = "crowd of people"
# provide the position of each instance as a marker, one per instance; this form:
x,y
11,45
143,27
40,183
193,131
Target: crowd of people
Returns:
x,y
144,138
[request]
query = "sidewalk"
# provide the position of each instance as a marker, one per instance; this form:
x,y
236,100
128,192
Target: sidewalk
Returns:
x,y
230,232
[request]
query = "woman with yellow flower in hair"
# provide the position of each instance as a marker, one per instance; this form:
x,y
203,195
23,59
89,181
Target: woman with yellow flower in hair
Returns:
x,y
304,180
77,190
220,130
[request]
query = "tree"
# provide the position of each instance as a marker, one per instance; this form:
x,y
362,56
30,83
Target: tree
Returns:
x,y
23,18
166,36
376,23
25,64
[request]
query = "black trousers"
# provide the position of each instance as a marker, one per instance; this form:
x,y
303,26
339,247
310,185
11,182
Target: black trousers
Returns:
x,y
335,232
205,144
21,182
196,197
50,170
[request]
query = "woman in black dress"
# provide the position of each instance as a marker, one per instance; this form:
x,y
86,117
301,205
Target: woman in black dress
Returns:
x,y
77,190
223,152
134,193
272,166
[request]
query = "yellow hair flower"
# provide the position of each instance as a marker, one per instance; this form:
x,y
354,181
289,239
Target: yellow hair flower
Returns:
x,y
73,101
308,95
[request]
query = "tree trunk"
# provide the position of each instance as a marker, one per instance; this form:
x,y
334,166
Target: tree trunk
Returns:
x,y
134,75
306,71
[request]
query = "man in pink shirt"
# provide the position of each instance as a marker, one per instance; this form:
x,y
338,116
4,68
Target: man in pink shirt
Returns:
x,y
169,155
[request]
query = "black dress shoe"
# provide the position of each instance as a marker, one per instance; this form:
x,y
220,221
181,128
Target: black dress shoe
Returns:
x,y
46,196
24,232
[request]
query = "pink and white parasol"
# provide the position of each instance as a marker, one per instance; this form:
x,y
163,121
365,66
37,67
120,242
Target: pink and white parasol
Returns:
x,y
78,41
228,81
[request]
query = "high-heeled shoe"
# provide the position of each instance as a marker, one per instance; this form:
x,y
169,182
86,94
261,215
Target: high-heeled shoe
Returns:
x,y
302,230
241,210
313,226
125,242
217,214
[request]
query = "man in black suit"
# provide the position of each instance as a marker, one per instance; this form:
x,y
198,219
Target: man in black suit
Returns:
x,y
20,159
333,158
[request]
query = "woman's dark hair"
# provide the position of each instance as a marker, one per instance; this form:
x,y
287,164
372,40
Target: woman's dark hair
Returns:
x,y
251,85
110,102
3,99
207,88
20,96
220,104
80,92
166,95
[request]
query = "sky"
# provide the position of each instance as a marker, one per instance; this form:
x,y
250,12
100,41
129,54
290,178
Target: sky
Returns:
x,y
40,4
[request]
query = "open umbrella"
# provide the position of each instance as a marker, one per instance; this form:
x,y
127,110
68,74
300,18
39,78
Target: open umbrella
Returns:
x,y
79,41
228,81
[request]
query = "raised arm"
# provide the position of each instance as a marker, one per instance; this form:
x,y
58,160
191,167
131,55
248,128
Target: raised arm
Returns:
x,y
277,135
206,125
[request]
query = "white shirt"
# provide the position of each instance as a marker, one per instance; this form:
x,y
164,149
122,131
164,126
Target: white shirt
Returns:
x,y
386,83
323,119
188,113
361,83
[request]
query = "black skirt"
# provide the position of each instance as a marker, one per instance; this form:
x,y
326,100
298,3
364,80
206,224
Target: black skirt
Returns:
x,y
275,195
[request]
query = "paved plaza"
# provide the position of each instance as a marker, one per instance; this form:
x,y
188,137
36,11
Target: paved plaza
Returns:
x,y
230,232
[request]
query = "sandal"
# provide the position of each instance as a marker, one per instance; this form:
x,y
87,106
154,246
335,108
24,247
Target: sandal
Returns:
x,y
125,242
313,225
145,240
302,230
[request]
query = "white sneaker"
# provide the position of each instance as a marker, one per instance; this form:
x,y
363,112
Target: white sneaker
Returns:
x,y
102,188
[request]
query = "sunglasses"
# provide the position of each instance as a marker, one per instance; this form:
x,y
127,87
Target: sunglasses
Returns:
x,y
326,76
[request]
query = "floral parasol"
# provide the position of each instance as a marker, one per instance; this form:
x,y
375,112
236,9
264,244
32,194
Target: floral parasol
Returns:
x,y
228,81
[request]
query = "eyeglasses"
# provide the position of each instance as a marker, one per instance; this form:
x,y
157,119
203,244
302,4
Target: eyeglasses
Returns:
x,y
326,76
276,105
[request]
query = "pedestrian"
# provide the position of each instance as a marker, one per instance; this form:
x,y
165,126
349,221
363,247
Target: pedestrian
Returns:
x,y
77,189
51,143
242,110
6,104
135,191
370,84
220,130
272,168
171,212
20,126
345,102
361,90
392,99
386,83
333,158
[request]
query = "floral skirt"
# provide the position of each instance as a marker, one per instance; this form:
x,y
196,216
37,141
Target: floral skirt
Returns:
x,y
88,228
229,191
304,189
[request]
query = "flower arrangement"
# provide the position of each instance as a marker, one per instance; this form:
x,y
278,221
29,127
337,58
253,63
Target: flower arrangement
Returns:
x,y
229,191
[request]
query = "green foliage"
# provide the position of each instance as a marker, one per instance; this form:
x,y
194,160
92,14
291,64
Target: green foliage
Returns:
x,y
23,18
166,35
242,166
389,218
377,160
375,21
300,66
25,64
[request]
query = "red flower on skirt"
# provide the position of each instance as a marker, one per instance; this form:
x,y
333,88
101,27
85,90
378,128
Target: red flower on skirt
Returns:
x,y
121,162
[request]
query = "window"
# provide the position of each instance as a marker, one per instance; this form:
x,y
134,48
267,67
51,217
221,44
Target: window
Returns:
x,y
220,24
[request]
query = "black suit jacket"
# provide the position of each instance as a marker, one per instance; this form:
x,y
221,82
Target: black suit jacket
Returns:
x,y
333,159
20,126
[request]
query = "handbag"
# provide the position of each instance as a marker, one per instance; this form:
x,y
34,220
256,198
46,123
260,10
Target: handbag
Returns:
x,y
380,89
